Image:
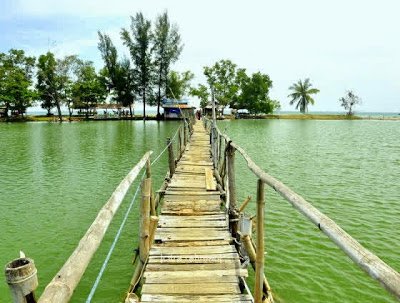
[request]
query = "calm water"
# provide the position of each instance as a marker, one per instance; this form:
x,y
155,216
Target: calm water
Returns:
x,y
55,178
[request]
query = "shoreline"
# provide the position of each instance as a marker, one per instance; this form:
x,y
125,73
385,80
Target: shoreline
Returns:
x,y
43,118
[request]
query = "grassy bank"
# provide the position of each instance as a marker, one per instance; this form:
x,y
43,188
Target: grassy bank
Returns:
x,y
45,118
312,117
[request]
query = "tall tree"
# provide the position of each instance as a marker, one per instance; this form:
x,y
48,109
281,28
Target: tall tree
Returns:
x,y
167,48
202,93
349,100
301,94
178,84
88,90
117,75
54,81
222,80
253,93
16,73
139,45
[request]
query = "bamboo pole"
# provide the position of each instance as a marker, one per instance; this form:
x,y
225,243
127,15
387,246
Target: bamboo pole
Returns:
x,y
62,286
144,244
258,292
171,158
232,190
366,260
180,141
244,204
251,252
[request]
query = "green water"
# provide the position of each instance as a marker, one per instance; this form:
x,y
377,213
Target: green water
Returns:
x,y
55,178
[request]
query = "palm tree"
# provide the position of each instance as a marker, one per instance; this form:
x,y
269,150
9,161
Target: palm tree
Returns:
x,y
301,94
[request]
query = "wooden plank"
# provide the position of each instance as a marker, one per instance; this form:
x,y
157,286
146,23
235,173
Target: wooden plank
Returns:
x,y
184,196
196,298
193,259
190,234
157,251
192,267
194,206
194,243
200,273
191,278
199,288
210,183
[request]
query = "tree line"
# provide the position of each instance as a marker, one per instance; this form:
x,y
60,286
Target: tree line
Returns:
x,y
145,76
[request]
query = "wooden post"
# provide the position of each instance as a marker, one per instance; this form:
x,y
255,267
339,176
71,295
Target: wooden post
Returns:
x,y
258,291
144,245
21,277
171,158
180,141
232,190
185,139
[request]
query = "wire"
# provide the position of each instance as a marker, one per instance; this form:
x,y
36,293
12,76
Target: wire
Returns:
x,y
107,259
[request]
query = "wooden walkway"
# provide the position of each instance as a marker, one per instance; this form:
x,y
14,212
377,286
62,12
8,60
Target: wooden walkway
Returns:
x,y
192,258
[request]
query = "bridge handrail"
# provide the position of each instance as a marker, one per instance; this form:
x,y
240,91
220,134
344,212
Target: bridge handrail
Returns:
x,y
61,288
369,262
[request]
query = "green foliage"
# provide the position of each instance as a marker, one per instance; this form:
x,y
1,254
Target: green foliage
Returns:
x,y
221,77
202,93
302,92
54,81
167,48
349,100
253,93
178,84
16,73
117,76
88,90
138,41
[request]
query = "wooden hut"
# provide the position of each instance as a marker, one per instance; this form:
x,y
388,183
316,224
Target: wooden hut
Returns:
x,y
177,109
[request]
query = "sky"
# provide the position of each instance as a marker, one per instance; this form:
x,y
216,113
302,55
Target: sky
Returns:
x,y
340,45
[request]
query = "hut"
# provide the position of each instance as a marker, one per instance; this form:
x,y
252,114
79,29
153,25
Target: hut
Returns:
x,y
177,109
207,110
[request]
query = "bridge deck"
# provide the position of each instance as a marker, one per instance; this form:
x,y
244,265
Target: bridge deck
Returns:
x,y
192,259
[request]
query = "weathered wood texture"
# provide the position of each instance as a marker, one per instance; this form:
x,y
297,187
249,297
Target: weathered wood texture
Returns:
x,y
63,284
192,258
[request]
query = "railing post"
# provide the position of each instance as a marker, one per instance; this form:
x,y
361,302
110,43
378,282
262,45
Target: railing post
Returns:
x,y
185,136
232,189
180,141
258,291
21,277
171,158
144,245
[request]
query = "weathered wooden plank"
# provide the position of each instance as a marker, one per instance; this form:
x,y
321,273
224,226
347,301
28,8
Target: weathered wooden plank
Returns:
x,y
190,234
193,259
199,273
194,243
194,206
191,278
184,196
196,298
193,267
157,251
209,182
199,288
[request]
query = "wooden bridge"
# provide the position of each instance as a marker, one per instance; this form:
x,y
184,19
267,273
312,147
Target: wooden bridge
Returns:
x,y
195,242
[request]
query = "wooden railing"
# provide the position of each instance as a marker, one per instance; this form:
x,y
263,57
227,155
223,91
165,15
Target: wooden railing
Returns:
x,y
21,273
224,149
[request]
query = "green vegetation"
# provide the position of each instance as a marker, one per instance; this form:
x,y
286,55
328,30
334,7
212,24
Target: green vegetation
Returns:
x,y
16,78
167,48
349,101
178,84
302,92
229,85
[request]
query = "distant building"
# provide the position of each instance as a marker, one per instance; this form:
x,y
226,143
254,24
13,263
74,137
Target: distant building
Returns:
x,y
177,109
207,111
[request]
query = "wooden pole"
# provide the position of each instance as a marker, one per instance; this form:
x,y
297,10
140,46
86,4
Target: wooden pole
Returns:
x,y
21,277
61,288
144,245
171,158
258,292
366,260
232,190
180,141
251,252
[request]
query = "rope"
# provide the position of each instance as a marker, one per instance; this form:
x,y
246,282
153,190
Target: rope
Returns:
x,y
105,263
111,250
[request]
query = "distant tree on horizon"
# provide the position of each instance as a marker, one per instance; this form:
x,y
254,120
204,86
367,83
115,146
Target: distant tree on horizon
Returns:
x,y
178,84
302,91
139,42
167,47
349,100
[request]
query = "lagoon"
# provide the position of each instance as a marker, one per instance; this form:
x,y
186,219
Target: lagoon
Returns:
x,y
55,178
